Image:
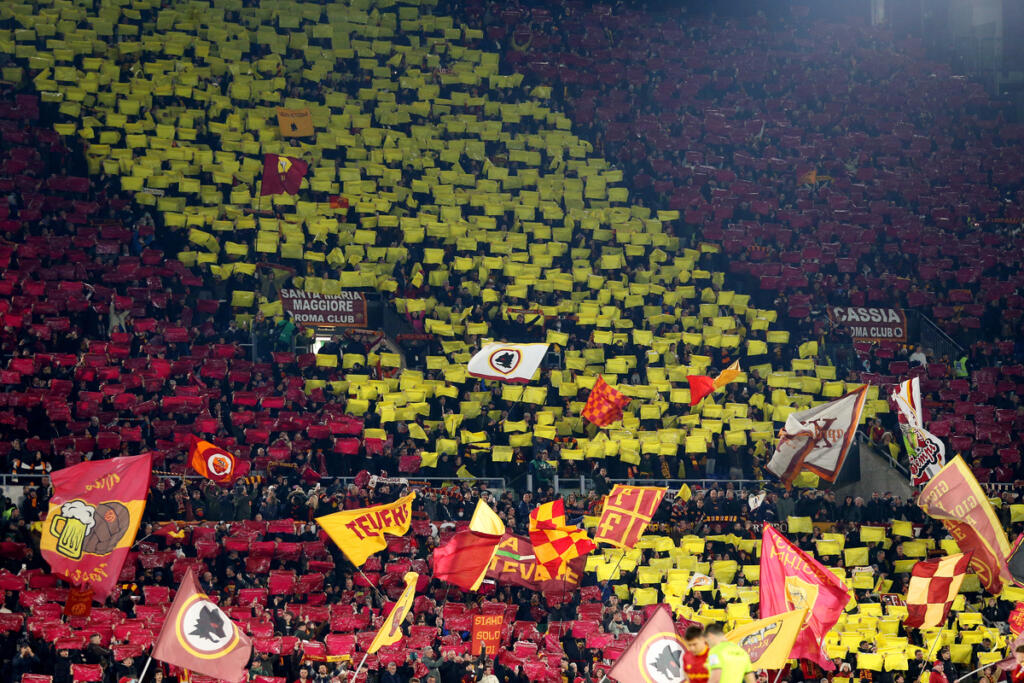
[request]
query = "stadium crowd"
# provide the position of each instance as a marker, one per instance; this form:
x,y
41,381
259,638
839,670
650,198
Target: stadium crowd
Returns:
x,y
127,327
303,600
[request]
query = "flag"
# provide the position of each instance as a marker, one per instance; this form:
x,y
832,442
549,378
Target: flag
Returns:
x,y
769,641
93,517
294,123
507,362
215,463
954,497
926,451
626,513
1015,620
933,586
808,177
79,602
391,630
684,493
360,533
817,439
282,174
791,579
515,563
702,385
605,403
1015,562
337,201
198,636
654,656
699,580
464,560
554,540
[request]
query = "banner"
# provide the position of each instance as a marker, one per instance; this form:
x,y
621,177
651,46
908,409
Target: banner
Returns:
x,y
654,656
390,631
515,563
769,641
507,362
486,633
79,602
347,309
926,451
790,580
294,123
871,324
93,517
954,497
626,513
197,635
360,533
215,463
817,439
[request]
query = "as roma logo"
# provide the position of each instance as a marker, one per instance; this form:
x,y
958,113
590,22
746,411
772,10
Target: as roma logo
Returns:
x,y
218,464
505,360
758,642
800,593
661,659
204,630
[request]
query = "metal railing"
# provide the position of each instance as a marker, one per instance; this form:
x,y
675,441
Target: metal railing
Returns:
x,y
490,483
930,336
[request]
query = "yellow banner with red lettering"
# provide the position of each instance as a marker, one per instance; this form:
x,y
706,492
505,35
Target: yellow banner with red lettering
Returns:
x,y
360,533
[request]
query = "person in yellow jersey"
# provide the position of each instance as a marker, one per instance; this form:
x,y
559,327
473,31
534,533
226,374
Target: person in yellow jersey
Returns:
x,y
727,661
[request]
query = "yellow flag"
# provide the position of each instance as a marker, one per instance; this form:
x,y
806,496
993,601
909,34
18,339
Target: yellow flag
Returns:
x,y
684,493
391,630
727,375
294,122
360,533
463,473
486,521
769,641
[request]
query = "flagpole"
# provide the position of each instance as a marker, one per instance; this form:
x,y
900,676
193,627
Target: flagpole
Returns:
x,y
971,673
142,676
370,584
778,675
360,667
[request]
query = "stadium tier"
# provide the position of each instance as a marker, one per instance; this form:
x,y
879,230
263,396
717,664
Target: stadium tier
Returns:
x,y
190,186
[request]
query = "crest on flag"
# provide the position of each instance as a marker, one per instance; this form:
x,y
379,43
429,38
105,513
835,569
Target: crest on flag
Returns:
x,y
507,362
662,658
800,593
203,629
926,451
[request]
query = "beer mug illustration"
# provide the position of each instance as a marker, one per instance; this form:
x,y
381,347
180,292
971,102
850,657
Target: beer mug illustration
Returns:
x,y
71,526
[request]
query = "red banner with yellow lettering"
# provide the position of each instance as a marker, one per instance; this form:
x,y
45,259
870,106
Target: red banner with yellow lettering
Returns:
x,y
94,514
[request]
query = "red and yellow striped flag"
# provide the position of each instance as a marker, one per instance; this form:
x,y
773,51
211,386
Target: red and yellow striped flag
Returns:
x,y
605,404
554,541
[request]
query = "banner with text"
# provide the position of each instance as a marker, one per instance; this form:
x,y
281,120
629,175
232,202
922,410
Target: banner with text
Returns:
x,y
347,309
871,324
486,633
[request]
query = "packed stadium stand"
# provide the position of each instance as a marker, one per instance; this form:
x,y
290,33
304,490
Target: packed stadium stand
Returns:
x,y
635,195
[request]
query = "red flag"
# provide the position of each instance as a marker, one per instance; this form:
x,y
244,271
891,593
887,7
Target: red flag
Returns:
x,y
93,518
791,579
215,463
605,404
700,386
282,174
79,602
656,653
954,497
198,636
463,561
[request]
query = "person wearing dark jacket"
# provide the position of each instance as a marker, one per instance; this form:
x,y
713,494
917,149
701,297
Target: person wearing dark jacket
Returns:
x,y
25,662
